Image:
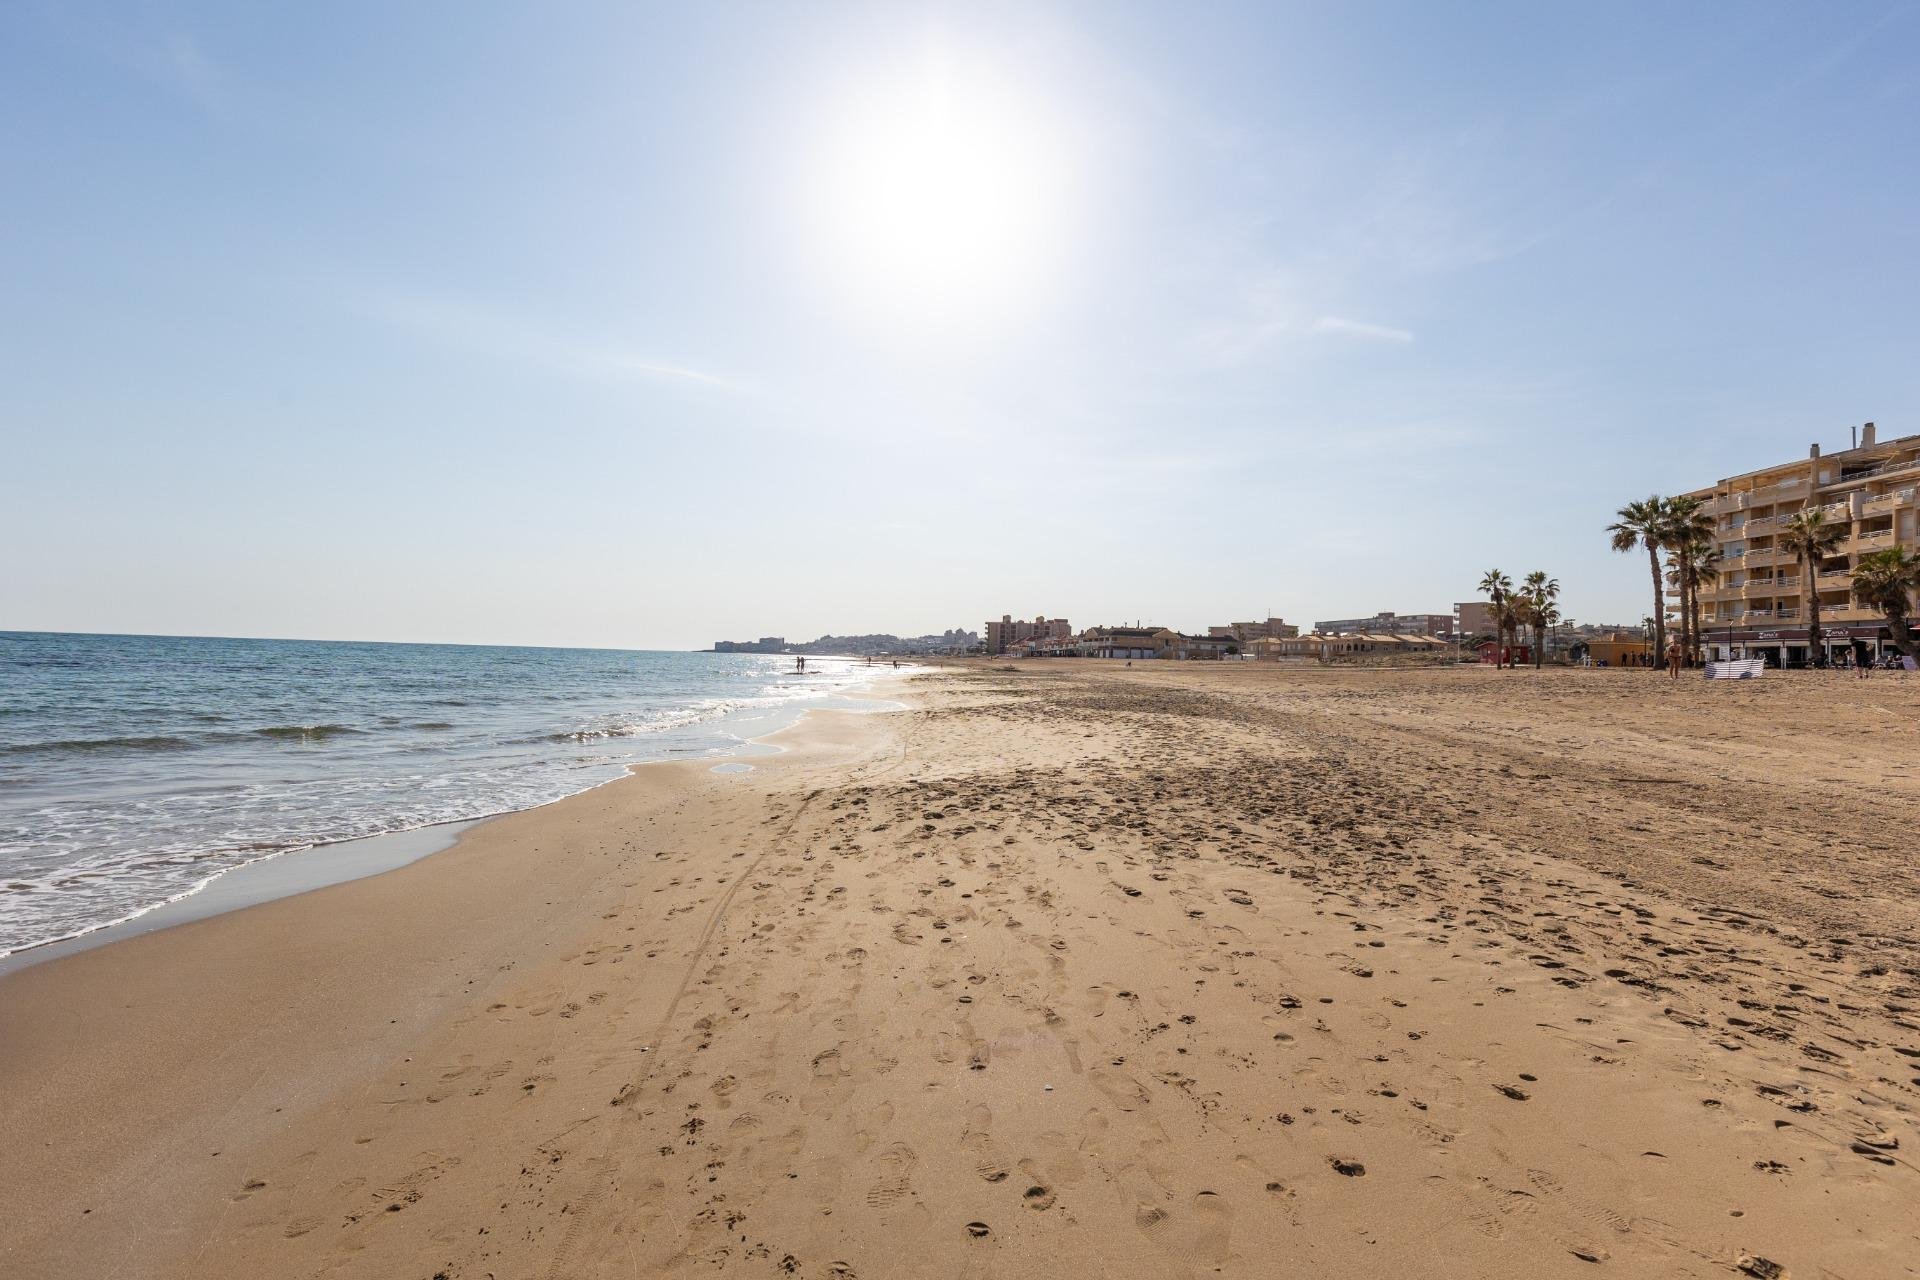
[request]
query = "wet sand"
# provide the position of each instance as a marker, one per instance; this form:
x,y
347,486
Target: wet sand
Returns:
x,y
1069,969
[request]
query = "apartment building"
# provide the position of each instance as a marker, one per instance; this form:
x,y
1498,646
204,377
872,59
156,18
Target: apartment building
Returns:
x,y
1247,632
1003,635
1758,605
1473,618
1386,623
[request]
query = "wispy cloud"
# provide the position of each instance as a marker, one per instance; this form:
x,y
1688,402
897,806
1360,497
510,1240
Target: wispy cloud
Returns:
x,y
1275,319
529,342
179,61
1343,327
669,372
173,61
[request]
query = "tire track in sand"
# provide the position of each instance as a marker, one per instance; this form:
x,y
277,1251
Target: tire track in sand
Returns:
x,y
599,1166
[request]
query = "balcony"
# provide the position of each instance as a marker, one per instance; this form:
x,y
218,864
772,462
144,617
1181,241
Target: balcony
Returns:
x,y
1871,541
1885,468
1885,503
1786,489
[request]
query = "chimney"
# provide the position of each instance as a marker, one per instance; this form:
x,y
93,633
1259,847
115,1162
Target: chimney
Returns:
x,y
1813,450
1866,436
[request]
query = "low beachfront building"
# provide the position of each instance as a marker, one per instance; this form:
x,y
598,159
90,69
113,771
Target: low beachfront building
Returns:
x,y
1273,648
1046,647
1387,644
1130,643
1307,648
1493,653
1332,647
1176,645
1618,650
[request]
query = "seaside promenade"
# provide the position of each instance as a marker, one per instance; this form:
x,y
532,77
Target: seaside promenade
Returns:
x,y
1070,968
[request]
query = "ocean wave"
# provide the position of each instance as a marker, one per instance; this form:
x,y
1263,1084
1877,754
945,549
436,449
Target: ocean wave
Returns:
x,y
146,829
70,745
305,732
659,722
598,735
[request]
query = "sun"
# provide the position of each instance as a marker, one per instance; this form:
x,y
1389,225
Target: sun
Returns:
x,y
937,192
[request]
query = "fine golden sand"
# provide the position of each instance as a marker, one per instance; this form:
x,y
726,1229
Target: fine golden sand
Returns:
x,y
1069,969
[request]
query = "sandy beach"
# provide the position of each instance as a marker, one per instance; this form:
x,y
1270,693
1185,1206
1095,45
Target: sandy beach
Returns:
x,y
1067,969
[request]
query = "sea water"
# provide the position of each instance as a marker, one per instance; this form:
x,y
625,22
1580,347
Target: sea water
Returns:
x,y
135,769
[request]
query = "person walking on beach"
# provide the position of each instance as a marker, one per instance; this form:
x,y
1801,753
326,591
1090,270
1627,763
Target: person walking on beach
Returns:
x,y
1674,659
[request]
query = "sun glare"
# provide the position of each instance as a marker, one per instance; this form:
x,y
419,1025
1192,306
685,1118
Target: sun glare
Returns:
x,y
938,195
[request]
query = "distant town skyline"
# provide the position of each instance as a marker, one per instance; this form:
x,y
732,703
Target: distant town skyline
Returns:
x,y
637,326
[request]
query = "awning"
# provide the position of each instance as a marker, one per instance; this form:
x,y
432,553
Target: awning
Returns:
x,y
1794,635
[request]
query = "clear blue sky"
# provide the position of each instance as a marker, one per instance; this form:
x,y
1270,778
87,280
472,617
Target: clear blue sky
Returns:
x,y
596,324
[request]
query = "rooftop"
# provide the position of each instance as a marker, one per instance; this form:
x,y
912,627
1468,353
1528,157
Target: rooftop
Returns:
x,y
1857,453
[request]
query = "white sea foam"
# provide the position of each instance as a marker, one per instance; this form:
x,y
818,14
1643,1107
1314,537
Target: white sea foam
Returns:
x,y
316,744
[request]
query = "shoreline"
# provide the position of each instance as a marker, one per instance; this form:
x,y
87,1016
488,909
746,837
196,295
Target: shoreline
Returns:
x,y
1138,972
294,870
116,1059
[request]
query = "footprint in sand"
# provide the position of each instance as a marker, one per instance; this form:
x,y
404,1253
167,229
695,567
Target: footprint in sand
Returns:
x,y
1213,1227
894,1168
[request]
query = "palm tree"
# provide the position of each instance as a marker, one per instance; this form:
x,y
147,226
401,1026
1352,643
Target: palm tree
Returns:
x,y
1542,610
1520,608
1643,524
1885,580
1808,536
1546,617
1702,561
1499,591
1687,523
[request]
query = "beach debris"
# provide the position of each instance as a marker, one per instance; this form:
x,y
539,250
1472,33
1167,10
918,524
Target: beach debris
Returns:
x,y
1347,1168
1760,1268
979,1230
